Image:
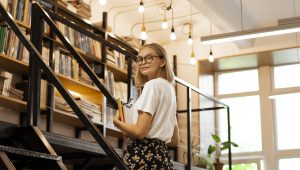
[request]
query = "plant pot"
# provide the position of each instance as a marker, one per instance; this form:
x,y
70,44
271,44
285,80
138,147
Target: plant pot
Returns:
x,y
218,165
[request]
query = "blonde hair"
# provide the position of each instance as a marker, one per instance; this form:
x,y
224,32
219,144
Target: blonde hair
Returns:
x,y
167,72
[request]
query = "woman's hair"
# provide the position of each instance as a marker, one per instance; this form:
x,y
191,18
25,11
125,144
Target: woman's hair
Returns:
x,y
167,72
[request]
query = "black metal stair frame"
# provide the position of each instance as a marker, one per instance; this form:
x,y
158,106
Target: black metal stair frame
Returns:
x,y
37,64
189,111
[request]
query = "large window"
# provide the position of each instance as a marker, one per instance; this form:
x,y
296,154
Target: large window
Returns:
x,y
289,164
236,82
287,76
245,123
287,121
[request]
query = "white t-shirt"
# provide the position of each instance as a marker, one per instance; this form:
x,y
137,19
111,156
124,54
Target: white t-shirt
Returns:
x,y
158,98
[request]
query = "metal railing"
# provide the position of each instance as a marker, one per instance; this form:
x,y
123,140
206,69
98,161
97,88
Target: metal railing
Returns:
x,y
189,110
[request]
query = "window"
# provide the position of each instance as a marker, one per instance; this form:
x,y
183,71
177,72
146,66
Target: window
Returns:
x,y
236,82
249,166
291,163
245,123
287,121
287,76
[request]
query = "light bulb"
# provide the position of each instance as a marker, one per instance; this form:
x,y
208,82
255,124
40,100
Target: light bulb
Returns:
x,y
173,35
190,40
192,59
144,35
164,25
141,7
211,57
102,2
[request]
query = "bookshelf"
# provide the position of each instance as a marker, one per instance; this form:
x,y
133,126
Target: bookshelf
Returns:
x,y
14,104
13,65
87,92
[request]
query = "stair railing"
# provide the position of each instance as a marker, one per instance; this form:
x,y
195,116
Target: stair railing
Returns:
x,y
36,65
189,110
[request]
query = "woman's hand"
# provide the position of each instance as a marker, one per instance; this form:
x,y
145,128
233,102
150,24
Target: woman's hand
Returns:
x,y
117,120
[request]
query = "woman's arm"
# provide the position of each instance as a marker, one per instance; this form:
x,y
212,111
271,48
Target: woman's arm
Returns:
x,y
175,138
138,130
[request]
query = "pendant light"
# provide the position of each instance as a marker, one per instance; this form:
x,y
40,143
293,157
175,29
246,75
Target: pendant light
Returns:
x,y
144,35
141,7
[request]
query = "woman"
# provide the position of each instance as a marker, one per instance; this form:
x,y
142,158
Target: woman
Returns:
x,y
156,125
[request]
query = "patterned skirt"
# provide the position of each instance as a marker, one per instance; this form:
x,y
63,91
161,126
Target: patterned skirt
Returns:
x,y
147,154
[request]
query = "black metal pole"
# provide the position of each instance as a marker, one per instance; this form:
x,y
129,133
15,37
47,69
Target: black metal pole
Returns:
x,y
129,77
229,138
189,129
103,46
37,26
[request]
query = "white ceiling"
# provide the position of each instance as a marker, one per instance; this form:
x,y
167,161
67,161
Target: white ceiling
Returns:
x,y
225,16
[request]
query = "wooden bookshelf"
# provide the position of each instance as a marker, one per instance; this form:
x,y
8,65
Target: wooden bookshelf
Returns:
x,y
22,24
77,86
12,103
119,74
70,118
88,57
13,65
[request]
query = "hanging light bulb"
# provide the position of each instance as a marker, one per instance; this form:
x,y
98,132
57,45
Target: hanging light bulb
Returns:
x,y
211,57
141,7
144,35
102,2
164,24
190,40
173,35
192,59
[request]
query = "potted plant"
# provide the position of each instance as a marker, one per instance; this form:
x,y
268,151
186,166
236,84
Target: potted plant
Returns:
x,y
217,149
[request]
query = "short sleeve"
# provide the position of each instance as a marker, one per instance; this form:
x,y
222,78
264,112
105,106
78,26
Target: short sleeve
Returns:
x,y
148,101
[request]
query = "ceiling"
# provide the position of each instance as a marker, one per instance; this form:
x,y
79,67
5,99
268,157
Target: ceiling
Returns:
x,y
225,16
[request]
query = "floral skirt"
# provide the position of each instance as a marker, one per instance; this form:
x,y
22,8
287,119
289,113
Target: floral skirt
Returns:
x,y
147,154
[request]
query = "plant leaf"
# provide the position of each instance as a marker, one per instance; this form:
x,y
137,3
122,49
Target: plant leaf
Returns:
x,y
211,149
216,138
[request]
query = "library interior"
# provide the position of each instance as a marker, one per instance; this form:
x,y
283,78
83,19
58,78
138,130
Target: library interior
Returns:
x,y
70,68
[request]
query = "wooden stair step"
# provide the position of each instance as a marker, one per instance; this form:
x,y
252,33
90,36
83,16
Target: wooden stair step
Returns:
x,y
29,153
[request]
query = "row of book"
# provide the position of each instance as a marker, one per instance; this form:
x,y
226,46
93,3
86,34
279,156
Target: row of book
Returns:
x,y
91,109
10,44
20,10
6,88
81,41
116,58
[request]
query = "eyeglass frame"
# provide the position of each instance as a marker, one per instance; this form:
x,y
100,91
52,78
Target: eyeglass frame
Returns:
x,y
145,59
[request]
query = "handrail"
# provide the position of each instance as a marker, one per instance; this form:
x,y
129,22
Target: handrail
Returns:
x,y
89,34
189,111
36,57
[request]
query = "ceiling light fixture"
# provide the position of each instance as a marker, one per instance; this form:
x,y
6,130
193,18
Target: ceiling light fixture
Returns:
x,y
172,35
193,59
144,35
190,39
102,2
141,7
281,28
164,24
211,57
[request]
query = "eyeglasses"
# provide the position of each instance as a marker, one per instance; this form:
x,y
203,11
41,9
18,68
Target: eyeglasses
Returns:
x,y
148,59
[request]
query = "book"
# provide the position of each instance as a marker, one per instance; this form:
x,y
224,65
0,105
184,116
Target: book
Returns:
x,y
126,112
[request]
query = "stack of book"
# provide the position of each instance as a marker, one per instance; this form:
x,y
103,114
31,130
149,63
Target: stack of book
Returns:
x,y
6,89
61,104
87,107
84,10
63,3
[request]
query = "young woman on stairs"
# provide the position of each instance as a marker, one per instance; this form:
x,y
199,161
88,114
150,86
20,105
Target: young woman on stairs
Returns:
x,y
155,111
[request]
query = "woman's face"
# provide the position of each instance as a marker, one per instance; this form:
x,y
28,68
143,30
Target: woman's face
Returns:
x,y
149,63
